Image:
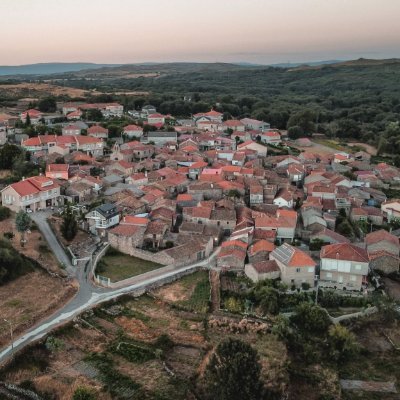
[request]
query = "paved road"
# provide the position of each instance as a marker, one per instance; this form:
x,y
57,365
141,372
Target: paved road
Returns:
x,y
88,295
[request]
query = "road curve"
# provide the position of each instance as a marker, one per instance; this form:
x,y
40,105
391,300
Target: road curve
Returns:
x,y
88,295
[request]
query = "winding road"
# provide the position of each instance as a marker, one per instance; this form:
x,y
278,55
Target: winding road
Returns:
x,y
88,294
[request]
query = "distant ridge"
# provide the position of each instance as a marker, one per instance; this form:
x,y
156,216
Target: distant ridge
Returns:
x,y
50,68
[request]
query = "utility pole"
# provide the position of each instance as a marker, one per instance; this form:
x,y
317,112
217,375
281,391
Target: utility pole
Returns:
x,y
12,336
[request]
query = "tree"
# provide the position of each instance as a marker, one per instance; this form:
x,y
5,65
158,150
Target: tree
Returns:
x,y
342,343
310,318
23,223
303,119
269,300
28,120
83,393
48,104
69,226
233,372
4,213
8,153
295,132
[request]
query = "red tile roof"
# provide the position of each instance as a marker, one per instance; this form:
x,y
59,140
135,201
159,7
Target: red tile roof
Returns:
x,y
344,251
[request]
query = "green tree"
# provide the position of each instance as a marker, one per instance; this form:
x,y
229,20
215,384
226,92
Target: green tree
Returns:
x,y
69,226
83,393
310,318
342,343
233,372
28,120
4,213
295,132
269,302
8,153
303,119
23,223
48,104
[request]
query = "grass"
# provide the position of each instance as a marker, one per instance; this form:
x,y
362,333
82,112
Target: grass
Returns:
x,y
199,300
118,266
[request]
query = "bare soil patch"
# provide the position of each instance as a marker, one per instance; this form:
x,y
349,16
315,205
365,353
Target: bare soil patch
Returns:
x,y
40,90
30,298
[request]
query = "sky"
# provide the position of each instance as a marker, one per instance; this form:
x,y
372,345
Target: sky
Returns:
x,y
256,31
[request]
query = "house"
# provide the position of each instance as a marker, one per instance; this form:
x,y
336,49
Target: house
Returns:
x,y
250,145
234,125
384,262
57,171
382,240
327,236
368,214
284,199
133,131
296,266
256,195
271,137
156,119
34,116
71,130
213,116
78,192
196,169
36,193
102,217
283,224
126,237
232,255
391,209
155,233
296,172
159,138
344,266
98,131
254,124
260,270
260,250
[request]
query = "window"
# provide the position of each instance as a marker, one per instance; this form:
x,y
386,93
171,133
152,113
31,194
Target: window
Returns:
x,y
311,269
298,269
358,267
353,278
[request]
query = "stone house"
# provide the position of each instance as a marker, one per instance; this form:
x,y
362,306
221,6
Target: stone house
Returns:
x,y
296,266
232,256
382,240
260,270
126,237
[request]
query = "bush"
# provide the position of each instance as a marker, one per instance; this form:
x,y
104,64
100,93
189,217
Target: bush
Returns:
x,y
8,235
83,393
305,286
4,213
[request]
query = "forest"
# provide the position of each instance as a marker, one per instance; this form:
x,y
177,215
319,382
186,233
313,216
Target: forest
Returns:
x,y
357,100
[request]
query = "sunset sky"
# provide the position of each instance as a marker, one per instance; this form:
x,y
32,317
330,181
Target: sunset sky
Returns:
x,y
261,31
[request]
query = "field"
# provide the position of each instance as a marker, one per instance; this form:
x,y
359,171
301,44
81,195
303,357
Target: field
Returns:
x,y
39,90
29,298
135,349
32,296
118,266
192,292
35,247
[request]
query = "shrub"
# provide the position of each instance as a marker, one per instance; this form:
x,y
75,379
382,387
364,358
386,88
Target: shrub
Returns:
x,y
4,213
8,235
83,393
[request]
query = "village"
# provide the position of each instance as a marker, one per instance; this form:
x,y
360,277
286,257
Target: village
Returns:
x,y
171,191
205,217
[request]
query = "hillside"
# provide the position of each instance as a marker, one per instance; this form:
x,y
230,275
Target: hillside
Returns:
x,y
48,68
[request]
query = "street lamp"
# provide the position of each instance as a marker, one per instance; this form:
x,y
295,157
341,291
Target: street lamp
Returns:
x,y
11,334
